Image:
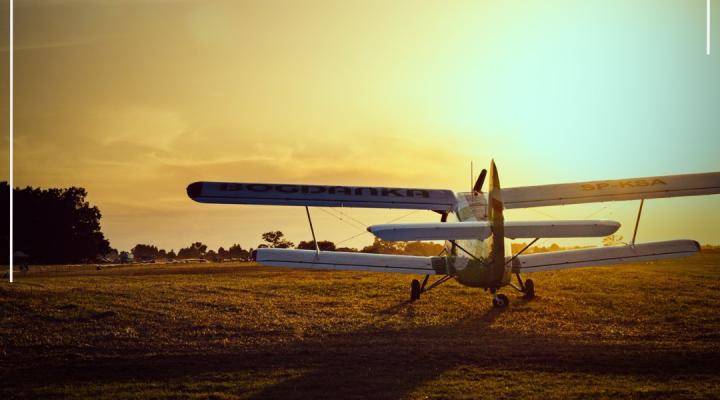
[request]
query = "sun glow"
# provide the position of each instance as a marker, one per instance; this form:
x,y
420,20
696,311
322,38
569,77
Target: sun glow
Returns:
x,y
134,100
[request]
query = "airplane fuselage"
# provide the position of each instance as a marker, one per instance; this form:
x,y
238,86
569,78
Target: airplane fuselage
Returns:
x,y
478,263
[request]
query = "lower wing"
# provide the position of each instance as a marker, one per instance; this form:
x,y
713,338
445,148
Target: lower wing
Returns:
x,y
337,260
605,256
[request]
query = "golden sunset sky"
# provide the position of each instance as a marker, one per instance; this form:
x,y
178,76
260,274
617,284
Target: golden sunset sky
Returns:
x,y
133,100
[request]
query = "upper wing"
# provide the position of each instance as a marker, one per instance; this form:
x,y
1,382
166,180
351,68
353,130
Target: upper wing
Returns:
x,y
338,260
605,255
481,230
323,196
618,189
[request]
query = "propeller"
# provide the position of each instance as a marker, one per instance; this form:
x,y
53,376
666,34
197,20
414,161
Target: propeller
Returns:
x,y
479,183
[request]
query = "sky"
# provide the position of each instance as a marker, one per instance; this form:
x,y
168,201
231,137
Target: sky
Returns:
x,y
134,100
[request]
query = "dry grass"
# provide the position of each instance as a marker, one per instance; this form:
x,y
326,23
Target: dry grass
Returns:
x,y
242,331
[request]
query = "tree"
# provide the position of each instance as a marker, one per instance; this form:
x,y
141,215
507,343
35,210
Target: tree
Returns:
x,y
195,250
112,255
427,249
56,225
347,249
124,257
324,245
276,239
5,220
236,251
145,252
613,240
382,247
413,248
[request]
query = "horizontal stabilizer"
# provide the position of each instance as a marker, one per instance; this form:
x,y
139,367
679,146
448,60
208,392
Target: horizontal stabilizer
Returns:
x,y
432,231
336,260
559,229
481,230
321,196
612,190
605,256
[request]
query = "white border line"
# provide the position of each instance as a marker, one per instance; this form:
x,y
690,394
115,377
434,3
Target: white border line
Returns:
x,y
10,180
707,33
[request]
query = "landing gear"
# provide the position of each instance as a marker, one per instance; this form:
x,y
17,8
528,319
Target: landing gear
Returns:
x,y
414,290
529,289
526,287
500,301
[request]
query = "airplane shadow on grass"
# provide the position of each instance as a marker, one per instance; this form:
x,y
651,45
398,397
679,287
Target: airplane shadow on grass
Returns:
x,y
380,362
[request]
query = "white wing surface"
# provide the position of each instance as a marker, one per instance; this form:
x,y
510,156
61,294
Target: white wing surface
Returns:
x,y
322,196
336,260
605,256
481,230
560,229
612,190
432,231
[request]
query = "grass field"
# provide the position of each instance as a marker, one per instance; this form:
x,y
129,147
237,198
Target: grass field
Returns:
x,y
241,331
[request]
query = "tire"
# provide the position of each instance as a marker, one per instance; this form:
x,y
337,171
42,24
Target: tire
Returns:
x,y
414,290
529,289
500,301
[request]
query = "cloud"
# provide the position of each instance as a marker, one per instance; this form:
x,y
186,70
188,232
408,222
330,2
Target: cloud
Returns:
x,y
47,45
135,99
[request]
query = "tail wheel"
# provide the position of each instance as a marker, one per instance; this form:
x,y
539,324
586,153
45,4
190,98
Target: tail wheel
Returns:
x,y
414,290
500,301
529,289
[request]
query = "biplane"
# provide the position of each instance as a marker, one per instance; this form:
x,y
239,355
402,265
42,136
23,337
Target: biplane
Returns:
x,y
472,226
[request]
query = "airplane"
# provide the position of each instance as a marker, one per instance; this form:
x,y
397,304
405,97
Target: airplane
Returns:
x,y
472,226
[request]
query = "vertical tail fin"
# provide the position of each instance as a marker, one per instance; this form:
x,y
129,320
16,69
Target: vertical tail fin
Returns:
x,y
497,225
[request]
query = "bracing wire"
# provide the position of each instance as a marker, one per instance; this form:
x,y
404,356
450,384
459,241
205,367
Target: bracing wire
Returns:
x,y
596,212
402,216
352,237
351,218
348,222
543,213
365,230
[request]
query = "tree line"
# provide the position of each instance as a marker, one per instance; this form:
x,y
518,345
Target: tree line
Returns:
x,y
52,225
276,239
197,250
59,226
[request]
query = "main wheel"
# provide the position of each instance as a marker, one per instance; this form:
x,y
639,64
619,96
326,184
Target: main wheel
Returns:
x,y
529,289
500,301
414,290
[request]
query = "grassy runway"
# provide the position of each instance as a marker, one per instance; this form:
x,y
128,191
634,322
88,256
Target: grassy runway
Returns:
x,y
241,331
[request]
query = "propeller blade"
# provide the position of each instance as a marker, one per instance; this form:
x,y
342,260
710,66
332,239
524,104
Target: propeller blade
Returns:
x,y
480,180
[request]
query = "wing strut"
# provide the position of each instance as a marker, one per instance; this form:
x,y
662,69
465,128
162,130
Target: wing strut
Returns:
x,y
317,247
464,251
522,251
527,287
637,222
